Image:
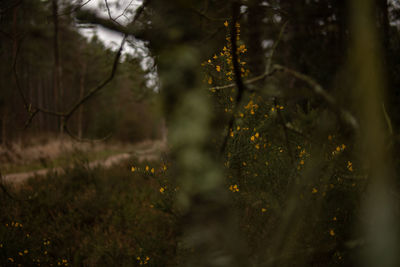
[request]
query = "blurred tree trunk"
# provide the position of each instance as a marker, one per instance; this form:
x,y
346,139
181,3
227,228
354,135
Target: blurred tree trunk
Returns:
x,y
57,67
210,231
368,73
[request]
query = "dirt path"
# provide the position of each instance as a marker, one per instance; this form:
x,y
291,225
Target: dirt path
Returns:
x,y
145,151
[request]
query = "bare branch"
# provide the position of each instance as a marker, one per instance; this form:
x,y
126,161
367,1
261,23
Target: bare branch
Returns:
x,y
109,13
317,89
75,9
33,111
275,46
123,12
247,82
104,83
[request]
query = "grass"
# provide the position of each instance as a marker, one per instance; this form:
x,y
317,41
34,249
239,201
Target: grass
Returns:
x,y
98,217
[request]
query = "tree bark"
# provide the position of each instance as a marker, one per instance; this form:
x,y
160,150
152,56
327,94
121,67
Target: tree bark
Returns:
x,y
81,94
57,66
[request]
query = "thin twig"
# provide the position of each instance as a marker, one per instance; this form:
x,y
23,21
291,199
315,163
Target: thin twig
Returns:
x,y
74,9
104,83
318,90
109,13
269,62
246,82
126,8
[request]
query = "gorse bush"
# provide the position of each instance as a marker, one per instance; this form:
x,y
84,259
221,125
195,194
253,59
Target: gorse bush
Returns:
x,y
286,163
87,218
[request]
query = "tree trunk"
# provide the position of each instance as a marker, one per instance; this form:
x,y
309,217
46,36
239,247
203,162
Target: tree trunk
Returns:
x,y
57,67
255,51
81,93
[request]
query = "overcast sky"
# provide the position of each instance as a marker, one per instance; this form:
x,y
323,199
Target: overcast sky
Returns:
x,y
117,8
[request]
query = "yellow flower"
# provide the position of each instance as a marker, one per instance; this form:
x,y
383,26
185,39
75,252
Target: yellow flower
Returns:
x,y
11,259
162,190
147,168
257,135
334,218
332,232
263,210
257,146
314,190
209,80
350,166
218,68
252,138
226,23
238,128
241,115
215,57
26,251
301,162
152,170
20,253
133,169
164,167
244,163
234,188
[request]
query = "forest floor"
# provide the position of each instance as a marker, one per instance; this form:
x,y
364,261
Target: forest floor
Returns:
x,y
19,163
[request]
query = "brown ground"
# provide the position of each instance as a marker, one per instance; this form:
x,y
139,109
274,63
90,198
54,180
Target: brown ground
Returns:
x,y
18,154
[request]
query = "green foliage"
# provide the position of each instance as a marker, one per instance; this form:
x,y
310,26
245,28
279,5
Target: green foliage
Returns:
x,y
87,217
286,162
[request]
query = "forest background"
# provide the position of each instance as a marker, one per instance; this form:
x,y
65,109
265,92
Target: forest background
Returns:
x,y
282,122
